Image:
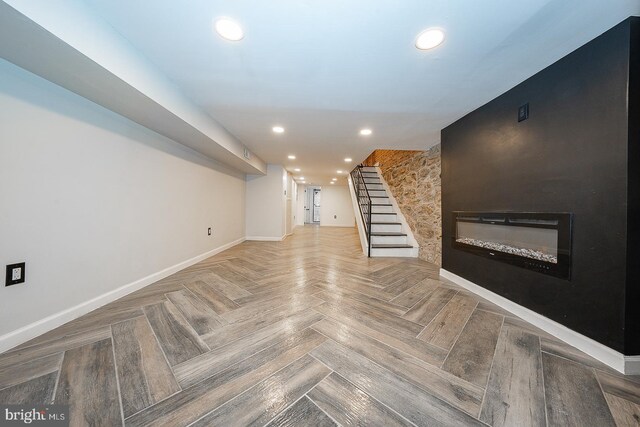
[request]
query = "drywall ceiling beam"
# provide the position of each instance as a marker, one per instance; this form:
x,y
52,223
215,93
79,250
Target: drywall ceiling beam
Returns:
x,y
65,43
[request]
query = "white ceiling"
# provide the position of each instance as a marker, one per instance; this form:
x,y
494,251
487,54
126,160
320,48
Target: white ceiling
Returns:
x,y
323,69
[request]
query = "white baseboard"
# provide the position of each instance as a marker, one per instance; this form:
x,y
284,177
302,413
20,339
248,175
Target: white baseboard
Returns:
x,y
629,365
632,365
338,226
266,238
41,326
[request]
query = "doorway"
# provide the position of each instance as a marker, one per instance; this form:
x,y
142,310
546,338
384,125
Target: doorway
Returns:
x,y
312,205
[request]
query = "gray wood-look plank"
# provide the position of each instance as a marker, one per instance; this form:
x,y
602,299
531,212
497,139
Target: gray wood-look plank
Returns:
x,y
358,300
406,283
426,309
144,374
471,356
234,331
416,293
618,385
57,345
258,405
38,390
196,401
407,343
558,348
414,403
458,393
444,329
88,385
573,395
204,366
214,299
259,308
625,413
233,276
177,338
351,406
515,392
223,286
13,375
302,413
202,318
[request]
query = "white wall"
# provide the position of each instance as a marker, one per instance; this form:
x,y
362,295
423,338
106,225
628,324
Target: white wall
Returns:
x,y
266,204
336,201
300,203
92,202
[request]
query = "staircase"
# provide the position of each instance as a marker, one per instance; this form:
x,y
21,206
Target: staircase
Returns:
x,y
390,235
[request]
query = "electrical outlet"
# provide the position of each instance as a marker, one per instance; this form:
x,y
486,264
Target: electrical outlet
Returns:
x,y
15,274
209,231
335,217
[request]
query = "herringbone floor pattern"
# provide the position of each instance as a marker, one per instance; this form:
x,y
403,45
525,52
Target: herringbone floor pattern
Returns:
x,y
310,332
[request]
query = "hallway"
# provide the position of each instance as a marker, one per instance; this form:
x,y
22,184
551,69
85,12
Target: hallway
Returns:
x,y
308,331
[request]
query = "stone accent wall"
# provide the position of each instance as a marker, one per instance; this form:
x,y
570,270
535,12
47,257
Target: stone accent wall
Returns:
x,y
414,180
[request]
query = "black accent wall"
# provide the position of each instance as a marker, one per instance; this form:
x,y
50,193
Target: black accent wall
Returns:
x,y
577,152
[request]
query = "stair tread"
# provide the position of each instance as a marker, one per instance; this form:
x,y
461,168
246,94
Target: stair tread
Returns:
x,y
389,246
381,204
388,233
383,213
387,223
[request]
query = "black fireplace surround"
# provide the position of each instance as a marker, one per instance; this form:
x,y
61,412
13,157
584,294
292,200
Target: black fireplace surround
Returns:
x,y
578,152
535,241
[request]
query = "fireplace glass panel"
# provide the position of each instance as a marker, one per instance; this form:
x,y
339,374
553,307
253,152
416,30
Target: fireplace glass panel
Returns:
x,y
532,240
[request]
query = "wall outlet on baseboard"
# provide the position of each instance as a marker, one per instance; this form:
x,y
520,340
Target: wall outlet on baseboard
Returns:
x,y
209,231
15,274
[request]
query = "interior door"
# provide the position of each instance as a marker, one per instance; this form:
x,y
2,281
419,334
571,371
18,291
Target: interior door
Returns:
x,y
316,205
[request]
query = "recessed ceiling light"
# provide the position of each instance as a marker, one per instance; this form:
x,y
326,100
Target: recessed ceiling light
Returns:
x,y
339,171
229,29
303,181
278,129
332,182
429,38
302,177
334,179
348,160
296,170
291,157
365,132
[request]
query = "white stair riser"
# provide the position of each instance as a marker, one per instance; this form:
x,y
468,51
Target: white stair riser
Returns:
x,y
380,200
377,193
389,240
384,218
396,228
394,252
369,169
371,187
371,180
381,209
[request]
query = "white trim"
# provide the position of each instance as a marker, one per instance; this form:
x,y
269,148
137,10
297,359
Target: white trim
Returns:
x,y
340,226
632,365
266,238
629,365
358,215
32,330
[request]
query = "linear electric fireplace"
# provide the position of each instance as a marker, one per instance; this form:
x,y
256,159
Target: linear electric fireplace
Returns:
x,y
536,241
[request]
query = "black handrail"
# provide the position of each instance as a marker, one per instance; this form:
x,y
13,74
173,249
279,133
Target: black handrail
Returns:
x,y
364,201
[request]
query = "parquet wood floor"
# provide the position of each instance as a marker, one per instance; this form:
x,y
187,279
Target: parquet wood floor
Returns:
x,y
308,331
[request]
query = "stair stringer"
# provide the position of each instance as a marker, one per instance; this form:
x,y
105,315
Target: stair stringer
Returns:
x,y
356,210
